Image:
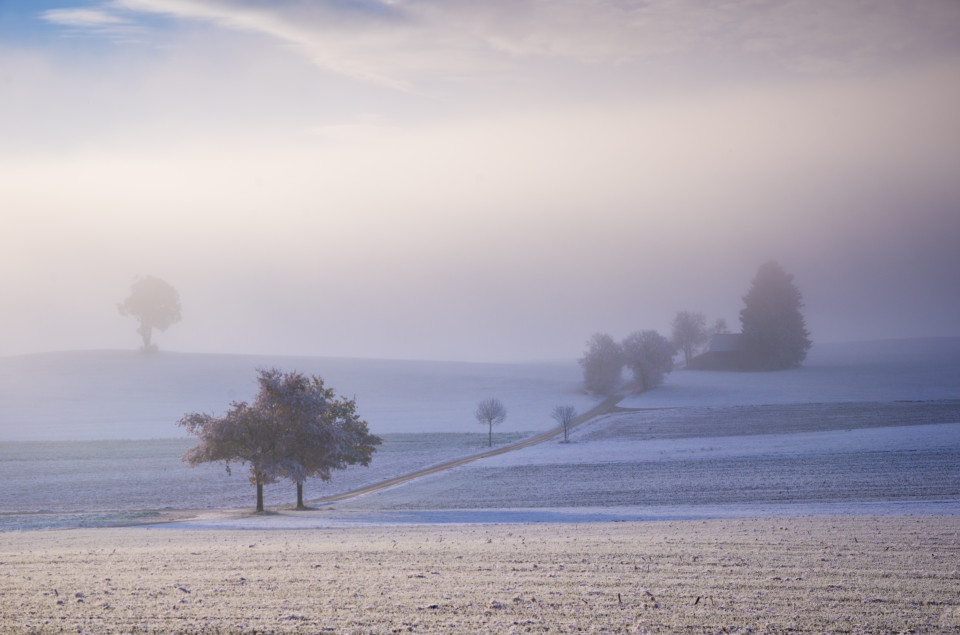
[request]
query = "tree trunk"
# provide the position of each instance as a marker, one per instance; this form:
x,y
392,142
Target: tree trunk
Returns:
x,y
146,330
300,504
259,493
490,438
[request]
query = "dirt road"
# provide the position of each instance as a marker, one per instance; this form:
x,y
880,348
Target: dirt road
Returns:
x,y
604,407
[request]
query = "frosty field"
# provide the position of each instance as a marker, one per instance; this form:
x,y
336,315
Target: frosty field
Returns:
x,y
825,499
84,483
870,428
663,467
796,575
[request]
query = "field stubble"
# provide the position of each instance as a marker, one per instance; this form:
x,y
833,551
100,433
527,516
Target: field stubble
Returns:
x,y
849,574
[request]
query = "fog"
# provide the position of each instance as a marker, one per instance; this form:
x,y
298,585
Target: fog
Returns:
x,y
486,181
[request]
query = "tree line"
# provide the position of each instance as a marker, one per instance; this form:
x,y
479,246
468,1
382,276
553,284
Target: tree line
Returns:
x,y
647,354
773,337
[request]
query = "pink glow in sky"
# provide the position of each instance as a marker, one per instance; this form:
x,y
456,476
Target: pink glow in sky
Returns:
x,y
473,180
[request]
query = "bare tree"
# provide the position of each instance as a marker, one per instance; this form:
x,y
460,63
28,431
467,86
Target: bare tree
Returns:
x,y
602,364
689,333
649,356
490,412
565,416
155,304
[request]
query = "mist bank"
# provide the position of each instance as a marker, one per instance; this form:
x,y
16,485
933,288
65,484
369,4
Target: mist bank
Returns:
x,y
90,395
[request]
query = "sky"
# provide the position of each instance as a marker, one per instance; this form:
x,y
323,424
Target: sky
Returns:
x,y
467,180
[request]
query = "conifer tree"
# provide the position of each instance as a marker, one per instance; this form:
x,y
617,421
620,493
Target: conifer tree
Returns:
x,y
775,336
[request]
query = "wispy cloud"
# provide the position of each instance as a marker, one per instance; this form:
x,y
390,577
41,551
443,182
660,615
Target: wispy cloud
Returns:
x,y
359,40
788,33
83,18
99,21
402,43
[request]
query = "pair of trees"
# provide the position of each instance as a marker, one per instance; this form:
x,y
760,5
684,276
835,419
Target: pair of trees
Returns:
x,y
647,354
295,429
491,412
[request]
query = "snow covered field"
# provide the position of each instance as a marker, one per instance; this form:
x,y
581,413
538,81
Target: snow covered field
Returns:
x,y
911,370
125,395
863,429
78,482
894,464
799,575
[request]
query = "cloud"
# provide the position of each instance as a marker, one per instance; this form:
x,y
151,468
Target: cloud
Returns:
x,y
100,21
545,170
367,45
418,42
85,18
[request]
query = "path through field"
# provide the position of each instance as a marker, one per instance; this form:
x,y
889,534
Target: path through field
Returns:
x,y
604,407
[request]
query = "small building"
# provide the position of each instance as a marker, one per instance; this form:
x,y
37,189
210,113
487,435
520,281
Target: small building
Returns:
x,y
724,352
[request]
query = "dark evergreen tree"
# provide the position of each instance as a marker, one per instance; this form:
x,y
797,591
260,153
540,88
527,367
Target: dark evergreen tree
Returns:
x,y
775,336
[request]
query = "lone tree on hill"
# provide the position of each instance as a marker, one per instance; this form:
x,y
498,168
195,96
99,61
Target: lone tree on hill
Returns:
x,y
155,304
295,429
649,356
689,333
602,364
490,412
565,416
775,336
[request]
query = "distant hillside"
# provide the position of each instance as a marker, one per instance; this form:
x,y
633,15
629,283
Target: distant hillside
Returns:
x,y
925,351
126,395
888,370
